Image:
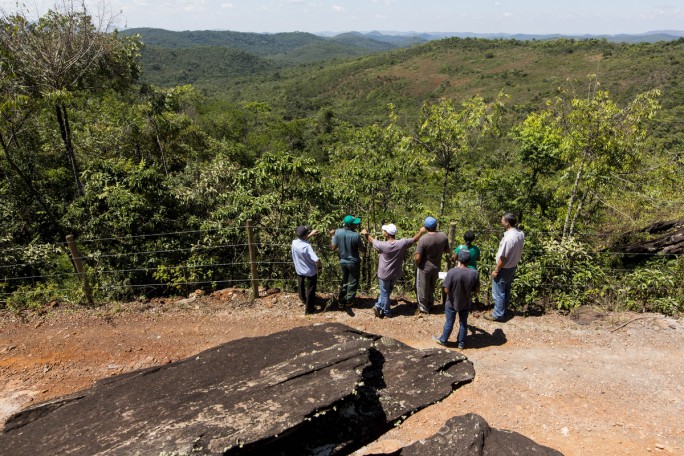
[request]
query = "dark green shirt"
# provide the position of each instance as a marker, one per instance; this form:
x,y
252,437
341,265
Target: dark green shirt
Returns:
x,y
348,244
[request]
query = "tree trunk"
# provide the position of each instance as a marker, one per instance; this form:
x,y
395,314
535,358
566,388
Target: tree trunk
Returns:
x,y
571,203
442,202
577,213
159,145
65,130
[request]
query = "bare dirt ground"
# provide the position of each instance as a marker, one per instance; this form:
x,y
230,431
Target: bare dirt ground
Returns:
x,y
586,384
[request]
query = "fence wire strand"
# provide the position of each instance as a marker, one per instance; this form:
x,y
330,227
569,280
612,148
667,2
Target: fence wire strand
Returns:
x,y
278,270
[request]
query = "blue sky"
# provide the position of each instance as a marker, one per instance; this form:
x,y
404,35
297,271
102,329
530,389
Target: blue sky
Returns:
x,y
479,16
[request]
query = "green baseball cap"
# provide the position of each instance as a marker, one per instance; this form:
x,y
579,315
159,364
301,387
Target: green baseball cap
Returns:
x,y
351,220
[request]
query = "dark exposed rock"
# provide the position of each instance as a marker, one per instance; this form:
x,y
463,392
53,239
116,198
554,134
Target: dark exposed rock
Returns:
x,y
664,238
470,435
325,389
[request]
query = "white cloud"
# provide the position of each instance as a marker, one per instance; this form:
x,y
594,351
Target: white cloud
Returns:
x,y
227,6
507,14
337,8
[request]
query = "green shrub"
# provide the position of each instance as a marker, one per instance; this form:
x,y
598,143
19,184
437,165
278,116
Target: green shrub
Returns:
x,y
33,297
654,288
565,274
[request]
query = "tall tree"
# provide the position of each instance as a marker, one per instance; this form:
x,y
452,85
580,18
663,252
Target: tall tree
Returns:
x,y
597,139
448,134
65,53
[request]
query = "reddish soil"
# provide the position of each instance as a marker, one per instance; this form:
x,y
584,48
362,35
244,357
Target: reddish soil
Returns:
x,y
588,384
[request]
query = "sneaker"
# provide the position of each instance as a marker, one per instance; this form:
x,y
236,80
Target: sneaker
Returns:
x,y
423,310
491,318
438,341
378,312
461,346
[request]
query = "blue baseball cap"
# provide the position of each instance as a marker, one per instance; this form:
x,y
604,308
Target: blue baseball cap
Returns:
x,y
430,223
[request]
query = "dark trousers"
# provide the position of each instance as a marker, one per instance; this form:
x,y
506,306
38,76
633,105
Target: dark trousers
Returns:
x,y
425,289
351,272
307,291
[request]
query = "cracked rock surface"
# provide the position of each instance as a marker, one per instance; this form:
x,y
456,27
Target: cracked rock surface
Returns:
x,y
324,389
470,435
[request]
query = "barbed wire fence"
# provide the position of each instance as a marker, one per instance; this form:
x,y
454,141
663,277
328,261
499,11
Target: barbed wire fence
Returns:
x,y
250,257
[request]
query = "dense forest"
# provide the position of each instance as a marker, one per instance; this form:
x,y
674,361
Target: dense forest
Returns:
x,y
155,158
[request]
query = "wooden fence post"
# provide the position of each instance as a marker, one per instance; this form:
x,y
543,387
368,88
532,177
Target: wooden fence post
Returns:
x,y
252,259
76,257
452,237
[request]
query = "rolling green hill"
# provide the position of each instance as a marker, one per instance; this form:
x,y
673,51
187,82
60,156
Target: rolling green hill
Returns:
x,y
201,65
352,74
362,41
211,58
530,72
255,43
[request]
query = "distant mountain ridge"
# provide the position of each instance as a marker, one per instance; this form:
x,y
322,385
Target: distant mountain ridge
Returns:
x,y
265,44
646,37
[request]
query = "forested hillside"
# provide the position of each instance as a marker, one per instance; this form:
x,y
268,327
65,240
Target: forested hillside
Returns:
x,y
530,72
214,58
155,170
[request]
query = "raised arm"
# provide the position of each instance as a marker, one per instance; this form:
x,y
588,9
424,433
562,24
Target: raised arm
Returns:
x,y
367,235
420,232
333,246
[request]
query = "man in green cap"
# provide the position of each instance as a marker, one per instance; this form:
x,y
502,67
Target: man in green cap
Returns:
x,y
347,242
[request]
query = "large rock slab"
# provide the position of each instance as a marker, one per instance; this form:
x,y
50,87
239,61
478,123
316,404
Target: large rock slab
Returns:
x,y
470,435
661,238
326,389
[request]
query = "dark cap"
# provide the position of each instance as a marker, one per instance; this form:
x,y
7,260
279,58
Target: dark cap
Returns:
x,y
464,256
302,230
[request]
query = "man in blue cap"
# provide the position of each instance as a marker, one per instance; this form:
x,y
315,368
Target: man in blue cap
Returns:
x,y
428,259
347,242
460,285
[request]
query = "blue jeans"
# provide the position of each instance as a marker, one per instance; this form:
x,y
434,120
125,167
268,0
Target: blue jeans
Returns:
x,y
450,313
501,292
386,287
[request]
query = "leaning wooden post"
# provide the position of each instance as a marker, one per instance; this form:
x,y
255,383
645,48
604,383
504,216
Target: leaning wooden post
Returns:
x,y
452,237
252,259
76,257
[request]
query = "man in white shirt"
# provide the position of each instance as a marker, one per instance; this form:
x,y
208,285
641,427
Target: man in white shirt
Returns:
x,y
507,258
307,264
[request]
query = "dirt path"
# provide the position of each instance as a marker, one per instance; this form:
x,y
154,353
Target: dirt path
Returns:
x,y
585,386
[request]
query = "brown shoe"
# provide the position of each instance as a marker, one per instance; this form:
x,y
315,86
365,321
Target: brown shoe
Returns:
x,y
490,317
